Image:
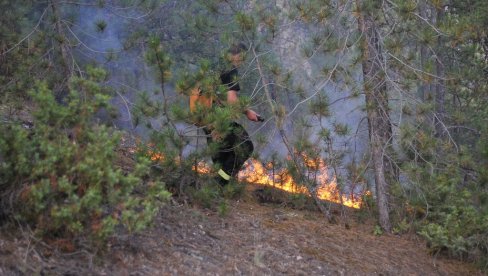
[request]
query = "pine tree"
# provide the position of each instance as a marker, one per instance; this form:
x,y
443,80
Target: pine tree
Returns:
x,y
379,124
20,49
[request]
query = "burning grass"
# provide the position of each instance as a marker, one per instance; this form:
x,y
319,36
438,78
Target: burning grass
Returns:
x,y
326,189
255,172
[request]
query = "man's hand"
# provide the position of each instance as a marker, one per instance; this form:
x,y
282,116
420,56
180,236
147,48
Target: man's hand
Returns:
x,y
253,116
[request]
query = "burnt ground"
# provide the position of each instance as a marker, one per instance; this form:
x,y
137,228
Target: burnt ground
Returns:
x,y
251,239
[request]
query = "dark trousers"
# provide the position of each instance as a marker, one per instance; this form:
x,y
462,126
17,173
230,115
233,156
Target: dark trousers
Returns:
x,y
233,150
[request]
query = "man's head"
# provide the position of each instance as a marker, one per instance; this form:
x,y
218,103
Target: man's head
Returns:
x,y
236,53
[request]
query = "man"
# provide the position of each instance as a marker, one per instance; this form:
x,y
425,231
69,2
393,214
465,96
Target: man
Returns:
x,y
235,147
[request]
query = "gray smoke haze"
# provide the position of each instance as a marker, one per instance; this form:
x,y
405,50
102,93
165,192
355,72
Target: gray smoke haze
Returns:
x,y
289,44
103,34
130,75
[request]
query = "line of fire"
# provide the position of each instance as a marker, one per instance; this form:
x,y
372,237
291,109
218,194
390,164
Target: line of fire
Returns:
x,y
256,172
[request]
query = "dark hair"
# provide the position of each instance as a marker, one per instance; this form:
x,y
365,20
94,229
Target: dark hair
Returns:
x,y
237,48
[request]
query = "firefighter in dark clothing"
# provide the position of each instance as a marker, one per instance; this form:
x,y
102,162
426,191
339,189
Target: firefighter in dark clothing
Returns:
x,y
236,146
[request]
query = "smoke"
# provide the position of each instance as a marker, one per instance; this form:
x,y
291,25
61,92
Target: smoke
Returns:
x,y
105,38
296,54
104,34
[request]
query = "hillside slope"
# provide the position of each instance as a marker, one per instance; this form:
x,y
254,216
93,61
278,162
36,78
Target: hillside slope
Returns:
x,y
252,239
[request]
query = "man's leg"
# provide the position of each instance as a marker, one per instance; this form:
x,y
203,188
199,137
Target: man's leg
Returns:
x,y
242,147
235,148
221,157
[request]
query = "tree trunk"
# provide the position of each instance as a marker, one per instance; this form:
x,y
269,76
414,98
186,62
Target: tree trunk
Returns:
x,y
440,88
433,90
63,47
425,88
380,131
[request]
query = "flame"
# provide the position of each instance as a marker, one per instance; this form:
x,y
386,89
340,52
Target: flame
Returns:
x,y
156,156
202,168
255,172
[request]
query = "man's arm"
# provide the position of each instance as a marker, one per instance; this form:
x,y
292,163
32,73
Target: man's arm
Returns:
x,y
233,99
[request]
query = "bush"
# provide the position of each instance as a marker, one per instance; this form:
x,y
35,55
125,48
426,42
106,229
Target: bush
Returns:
x,y
449,211
234,190
456,225
443,193
61,173
206,196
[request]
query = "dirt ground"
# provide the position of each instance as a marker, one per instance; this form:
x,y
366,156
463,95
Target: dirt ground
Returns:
x,y
252,239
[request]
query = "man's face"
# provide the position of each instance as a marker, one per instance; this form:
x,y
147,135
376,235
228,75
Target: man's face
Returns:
x,y
236,59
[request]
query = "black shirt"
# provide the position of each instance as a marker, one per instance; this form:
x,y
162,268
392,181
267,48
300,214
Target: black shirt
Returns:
x,y
230,79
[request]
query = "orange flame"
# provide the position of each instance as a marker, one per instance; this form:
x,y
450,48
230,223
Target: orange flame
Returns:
x,y
155,156
257,173
202,168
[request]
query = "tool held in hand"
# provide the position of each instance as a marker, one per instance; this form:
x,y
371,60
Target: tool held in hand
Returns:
x,y
260,118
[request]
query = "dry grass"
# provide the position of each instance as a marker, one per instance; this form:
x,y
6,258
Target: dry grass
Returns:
x,y
253,239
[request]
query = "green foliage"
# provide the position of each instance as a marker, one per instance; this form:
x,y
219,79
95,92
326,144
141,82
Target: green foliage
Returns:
x,y
320,107
401,227
377,231
245,21
159,57
341,129
443,142
20,60
459,233
299,201
223,208
101,25
64,169
212,195
456,223
233,190
207,196
446,197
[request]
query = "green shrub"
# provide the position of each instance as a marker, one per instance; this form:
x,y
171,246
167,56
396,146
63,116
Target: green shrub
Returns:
x,y
447,209
62,170
300,201
444,197
207,196
234,190
223,208
456,225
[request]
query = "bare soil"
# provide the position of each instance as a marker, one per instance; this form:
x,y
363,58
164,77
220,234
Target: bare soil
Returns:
x,y
251,239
